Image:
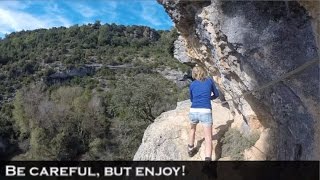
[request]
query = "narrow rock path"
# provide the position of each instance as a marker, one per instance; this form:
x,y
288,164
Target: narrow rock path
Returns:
x,y
167,137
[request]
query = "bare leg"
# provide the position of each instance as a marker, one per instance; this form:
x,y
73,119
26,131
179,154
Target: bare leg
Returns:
x,y
192,133
208,140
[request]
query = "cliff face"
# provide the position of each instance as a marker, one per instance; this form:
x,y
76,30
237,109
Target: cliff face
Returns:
x,y
313,8
248,44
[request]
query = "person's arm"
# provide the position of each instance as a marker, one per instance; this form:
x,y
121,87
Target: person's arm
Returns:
x,y
214,90
190,92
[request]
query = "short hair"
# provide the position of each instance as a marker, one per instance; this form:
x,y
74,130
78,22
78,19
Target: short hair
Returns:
x,y
199,73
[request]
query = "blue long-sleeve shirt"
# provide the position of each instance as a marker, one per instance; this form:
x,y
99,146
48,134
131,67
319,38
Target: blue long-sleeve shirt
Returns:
x,y
200,93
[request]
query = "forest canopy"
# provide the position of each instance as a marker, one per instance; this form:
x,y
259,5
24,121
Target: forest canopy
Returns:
x,y
84,92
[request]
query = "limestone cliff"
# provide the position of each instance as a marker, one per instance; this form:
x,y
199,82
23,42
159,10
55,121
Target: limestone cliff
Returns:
x,y
246,45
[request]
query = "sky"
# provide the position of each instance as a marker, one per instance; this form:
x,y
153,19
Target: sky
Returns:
x,y
17,15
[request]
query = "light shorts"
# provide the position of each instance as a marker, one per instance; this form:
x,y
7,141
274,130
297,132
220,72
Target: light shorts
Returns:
x,y
204,118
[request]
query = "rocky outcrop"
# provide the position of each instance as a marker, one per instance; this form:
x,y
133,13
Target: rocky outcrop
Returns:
x,y
245,45
313,8
70,73
180,51
146,32
175,76
167,137
138,32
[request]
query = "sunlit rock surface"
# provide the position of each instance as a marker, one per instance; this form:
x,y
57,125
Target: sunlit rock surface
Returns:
x,y
246,45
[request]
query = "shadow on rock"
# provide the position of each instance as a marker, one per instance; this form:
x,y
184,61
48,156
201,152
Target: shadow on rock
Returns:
x,y
220,133
196,149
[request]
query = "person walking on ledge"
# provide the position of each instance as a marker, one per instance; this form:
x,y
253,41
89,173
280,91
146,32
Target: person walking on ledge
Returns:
x,y
200,95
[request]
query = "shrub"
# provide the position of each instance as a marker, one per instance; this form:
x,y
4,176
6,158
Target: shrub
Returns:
x,y
19,115
234,143
183,94
60,125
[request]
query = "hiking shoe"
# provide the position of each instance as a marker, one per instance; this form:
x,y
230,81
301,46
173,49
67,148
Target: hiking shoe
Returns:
x,y
190,150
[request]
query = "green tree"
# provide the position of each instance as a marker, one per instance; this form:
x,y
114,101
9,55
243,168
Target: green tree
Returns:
x,y
142,97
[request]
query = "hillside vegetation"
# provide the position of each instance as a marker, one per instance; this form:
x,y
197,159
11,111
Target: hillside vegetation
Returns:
x,y
85,92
